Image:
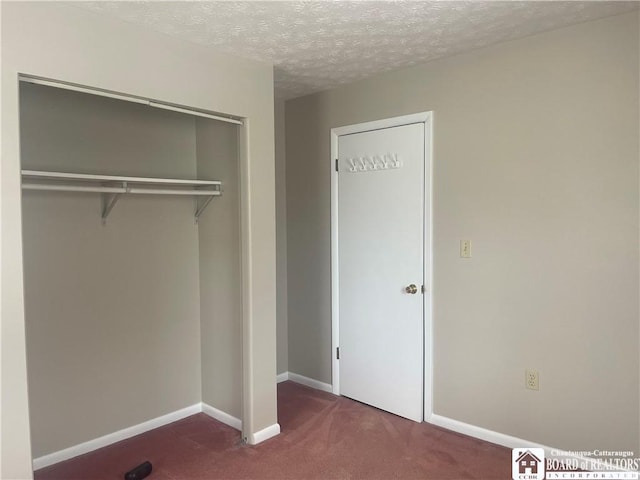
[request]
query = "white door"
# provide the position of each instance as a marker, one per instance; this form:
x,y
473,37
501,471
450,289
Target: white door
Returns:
x,y
380,230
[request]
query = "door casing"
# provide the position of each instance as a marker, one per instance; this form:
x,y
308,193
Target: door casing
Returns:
x,y
426,118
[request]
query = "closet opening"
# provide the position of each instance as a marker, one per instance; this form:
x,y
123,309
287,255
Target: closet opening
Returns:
x,y
132,264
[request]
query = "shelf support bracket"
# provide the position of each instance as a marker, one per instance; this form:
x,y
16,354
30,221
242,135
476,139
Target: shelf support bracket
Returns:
x,y
108,202
200,208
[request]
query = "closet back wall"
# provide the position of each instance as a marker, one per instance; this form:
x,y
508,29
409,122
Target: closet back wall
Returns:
x,y
112,312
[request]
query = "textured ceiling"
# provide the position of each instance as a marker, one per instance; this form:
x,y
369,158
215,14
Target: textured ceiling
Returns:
x,y
317,45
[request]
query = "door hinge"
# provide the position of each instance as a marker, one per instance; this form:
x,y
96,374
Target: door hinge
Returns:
x,y
338,353
337,165
422,289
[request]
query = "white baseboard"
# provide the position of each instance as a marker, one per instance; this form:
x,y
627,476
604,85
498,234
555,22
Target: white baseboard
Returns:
x,y
309,382
221,416
264,434
91,445
507,440
114,437
483,433
282,377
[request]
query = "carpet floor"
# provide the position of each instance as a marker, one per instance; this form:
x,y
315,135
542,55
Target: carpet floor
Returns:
x,y
323,437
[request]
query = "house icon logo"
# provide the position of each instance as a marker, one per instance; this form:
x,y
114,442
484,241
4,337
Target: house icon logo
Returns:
x,y
527,463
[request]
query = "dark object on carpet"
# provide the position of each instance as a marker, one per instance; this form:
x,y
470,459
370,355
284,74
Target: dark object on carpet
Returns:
x,y
141,471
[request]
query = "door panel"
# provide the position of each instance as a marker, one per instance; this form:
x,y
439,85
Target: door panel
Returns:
x,y
380,252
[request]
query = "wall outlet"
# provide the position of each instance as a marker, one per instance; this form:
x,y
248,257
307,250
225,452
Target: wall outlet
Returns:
x,y
531,379
465,248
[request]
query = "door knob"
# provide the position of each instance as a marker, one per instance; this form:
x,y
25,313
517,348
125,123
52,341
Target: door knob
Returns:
x,y
412,289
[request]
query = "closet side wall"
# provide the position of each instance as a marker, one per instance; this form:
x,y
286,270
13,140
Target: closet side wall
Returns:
x,y
112,311
220,269
281,238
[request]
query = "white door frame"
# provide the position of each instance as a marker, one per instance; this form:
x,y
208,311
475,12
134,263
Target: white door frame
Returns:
x,y
426,119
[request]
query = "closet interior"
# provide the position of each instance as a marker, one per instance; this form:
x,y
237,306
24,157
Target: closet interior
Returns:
x,y
132,268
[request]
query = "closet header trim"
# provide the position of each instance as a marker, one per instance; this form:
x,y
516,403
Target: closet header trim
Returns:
x,y
128,98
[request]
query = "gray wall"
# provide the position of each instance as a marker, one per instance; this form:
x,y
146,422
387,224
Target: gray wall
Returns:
x,y
220,273
535,161
281,238
112,313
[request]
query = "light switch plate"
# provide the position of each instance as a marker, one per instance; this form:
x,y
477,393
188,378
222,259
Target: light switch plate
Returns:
x,y
465,248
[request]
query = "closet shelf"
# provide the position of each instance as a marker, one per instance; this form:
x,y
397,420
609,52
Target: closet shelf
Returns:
x,y
112,186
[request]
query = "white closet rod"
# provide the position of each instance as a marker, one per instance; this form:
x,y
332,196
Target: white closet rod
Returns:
x,y
72,188
142,191
128,98
113,178
158,191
